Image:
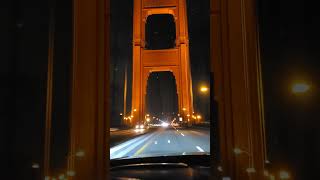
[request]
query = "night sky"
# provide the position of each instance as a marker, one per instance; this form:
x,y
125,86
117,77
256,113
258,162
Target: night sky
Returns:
x,y
289,41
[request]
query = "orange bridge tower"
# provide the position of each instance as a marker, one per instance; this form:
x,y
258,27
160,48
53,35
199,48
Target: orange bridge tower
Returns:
x,y
174,59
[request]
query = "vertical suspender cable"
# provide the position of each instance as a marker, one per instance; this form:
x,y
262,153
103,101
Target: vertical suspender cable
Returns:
x,y
46,170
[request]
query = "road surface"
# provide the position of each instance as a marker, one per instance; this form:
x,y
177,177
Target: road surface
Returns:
x,y
164,141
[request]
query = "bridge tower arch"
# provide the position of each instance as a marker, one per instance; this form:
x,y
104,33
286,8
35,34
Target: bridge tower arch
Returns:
x,y
174,59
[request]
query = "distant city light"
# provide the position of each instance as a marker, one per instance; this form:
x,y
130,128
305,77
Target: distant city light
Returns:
x,y
199,117
299,88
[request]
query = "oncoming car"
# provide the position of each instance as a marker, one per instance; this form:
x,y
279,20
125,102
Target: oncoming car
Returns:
x,y
140,126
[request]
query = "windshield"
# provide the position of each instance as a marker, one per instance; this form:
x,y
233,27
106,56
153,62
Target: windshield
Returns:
x,y
163,141
160,79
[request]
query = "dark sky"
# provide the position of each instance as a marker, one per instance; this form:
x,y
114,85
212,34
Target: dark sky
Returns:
x,y
161,85
289,32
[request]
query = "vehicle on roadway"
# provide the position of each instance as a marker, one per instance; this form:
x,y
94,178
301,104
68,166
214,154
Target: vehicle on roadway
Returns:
x,y
140,126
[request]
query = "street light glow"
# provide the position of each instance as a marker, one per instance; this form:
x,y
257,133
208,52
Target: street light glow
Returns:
x,y
204,89
198,117
299,88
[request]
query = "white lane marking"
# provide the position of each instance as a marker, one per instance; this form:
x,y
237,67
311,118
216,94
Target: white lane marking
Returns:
x,y
155,142
182,134
123,145
169,141
127,147
199,148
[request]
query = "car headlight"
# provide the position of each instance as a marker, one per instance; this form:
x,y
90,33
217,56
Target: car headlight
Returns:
x,y
164,124
141,126
137,126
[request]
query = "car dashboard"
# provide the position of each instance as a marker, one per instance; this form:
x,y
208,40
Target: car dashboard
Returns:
x,y
180,167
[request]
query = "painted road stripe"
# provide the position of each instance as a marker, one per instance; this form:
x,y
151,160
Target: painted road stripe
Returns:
x,y
125,144
199,148
129,147
142,148
145,146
